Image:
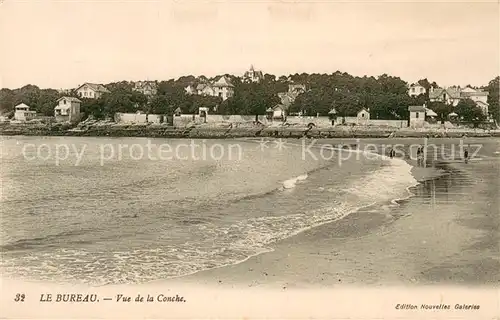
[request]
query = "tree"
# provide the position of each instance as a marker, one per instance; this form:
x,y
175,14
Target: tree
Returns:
x,y
42,101
160,104
427,85
470,112
92,107
283,79
122,99
493,98
7,97
385,96
122,85
197,102
47,100
442,109
250,99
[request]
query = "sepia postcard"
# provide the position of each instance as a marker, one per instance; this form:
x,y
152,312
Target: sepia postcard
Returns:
x,y
273,159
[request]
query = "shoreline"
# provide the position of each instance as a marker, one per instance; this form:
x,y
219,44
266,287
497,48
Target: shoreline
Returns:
x,y
296,262
420,174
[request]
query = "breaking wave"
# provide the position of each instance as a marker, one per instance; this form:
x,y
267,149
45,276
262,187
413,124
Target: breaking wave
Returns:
x,y
290,183
214,245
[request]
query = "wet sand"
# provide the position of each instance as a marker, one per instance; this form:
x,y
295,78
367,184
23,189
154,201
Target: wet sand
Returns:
x,y
446,234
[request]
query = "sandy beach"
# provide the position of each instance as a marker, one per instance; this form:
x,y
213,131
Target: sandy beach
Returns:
x,y
446,234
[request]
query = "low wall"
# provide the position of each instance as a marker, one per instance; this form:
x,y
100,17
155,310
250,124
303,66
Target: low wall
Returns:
x,y
446,125
318,121
217,118
156,118
417,123
372,122
388,123
130,117
184,119
352,120
138,118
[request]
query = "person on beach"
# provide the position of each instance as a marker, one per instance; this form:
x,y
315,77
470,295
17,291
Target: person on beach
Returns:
x,y
419,155
466,155
392,153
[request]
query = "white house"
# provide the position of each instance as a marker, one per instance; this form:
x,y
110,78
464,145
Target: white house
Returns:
x,y
480,97
416,89
483,106
417,116
453,95
296,88
279,111
148,88
23,113
191,89
449,95
91,90
253,75
363,116
221,88
67,110
205,89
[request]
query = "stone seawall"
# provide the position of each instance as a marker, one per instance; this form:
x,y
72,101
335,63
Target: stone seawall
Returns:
x,y
202,132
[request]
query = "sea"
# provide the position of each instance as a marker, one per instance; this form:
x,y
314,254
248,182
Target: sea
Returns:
x,y
99,210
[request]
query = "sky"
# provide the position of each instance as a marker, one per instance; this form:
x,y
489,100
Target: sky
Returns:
x,y
61,44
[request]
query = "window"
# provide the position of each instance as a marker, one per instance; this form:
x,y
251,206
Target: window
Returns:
x,y
362,115
416,115
64,101
412,89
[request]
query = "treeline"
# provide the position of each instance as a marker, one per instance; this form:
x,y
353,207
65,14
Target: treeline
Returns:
x,y
385,96
43,101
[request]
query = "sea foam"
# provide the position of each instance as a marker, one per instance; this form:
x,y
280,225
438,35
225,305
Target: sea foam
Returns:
x,y
291,183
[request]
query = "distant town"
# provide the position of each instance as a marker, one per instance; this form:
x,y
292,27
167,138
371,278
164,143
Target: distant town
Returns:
x,y
255,97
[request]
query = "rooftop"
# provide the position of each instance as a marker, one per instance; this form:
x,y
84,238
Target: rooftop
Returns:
x,y
223,82
94,86
416,108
